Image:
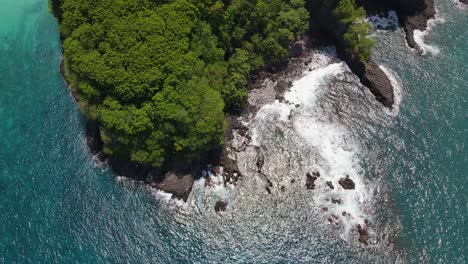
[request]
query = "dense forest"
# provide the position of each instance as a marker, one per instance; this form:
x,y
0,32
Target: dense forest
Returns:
x,y
160,75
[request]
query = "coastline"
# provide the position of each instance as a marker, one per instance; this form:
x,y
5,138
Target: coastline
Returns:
x,y
411,15
178,178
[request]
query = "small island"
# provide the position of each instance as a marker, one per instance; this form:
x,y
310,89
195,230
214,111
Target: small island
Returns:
x,y
160,81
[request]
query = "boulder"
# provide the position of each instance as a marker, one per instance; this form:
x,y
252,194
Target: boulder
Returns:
x,y
363,235
281,87
347,183
336,200
310,179
220,206
179,185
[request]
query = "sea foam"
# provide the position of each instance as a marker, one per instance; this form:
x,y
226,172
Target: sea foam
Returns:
x,y
397,90
420,36
336,151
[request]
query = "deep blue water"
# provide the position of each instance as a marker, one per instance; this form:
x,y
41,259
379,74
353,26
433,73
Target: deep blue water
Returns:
x,y
58,206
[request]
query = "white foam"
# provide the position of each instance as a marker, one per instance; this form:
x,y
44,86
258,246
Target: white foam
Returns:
x,y
336,151
305,91
397,90
420,36
459,4
270,113
161,195
384,21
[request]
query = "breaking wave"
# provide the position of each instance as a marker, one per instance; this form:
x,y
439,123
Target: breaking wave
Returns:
x,y
420,36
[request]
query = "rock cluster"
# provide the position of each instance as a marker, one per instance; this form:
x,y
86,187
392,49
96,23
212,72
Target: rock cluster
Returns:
x,y
311,178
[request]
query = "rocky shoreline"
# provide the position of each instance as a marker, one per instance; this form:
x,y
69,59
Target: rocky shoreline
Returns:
x,y
179,182
413,15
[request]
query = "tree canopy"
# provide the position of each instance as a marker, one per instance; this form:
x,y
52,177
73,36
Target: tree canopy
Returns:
x,y
159,75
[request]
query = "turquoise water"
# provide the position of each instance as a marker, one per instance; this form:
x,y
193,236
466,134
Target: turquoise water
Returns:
x,y
58,206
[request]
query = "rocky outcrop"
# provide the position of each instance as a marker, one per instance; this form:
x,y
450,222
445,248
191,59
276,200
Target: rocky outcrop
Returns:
x,y
347,183
179,185
416,19
311,178
370,75
93,137
413,14
220,206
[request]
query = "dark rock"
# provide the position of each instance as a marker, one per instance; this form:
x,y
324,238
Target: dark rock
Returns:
x,y
336,200
330,184
93,136
208,181
293,180
177,184
280,89
297,48
371,76
310,180
363,235
216,170
260,162
367,222
220,206
416,18
270,184
131,169
347,183
412,14
343,213
464,2
297,105
325,209
283,188
268,189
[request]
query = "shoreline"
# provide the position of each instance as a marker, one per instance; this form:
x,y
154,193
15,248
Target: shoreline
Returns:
x,y
411,16
177,178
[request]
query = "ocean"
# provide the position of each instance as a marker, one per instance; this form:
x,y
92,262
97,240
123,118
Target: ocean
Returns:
x,y
59,205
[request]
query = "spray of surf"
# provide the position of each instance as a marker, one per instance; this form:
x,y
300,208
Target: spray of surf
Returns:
x,y
420,37
397,90
334,151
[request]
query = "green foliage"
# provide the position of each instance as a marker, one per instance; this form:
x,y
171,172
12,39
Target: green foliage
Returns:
x,y
160,74
358,29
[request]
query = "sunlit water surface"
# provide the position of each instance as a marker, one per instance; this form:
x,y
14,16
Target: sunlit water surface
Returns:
x,y
410,165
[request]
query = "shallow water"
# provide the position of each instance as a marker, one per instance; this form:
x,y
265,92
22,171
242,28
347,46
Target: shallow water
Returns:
x,y
58,206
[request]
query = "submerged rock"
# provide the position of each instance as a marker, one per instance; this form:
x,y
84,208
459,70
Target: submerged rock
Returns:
x,y
220,206
363,235
330,184
347,183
